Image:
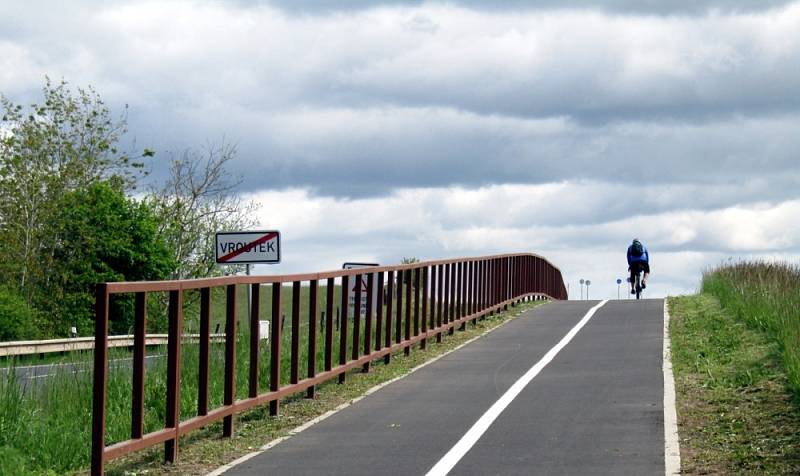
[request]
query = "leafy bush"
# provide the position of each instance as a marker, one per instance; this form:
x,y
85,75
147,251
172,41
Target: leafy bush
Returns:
x,y
17,319
106,237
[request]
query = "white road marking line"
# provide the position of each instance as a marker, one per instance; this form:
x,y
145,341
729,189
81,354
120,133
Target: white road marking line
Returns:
x,y
672,449
446,464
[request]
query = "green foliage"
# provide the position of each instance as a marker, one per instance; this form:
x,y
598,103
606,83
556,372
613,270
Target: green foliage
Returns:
x,y
12,461
17,318
63,144
48,151
104,237
66,222
767,297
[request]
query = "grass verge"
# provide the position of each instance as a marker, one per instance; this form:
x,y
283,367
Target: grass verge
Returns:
x,y
767,297
736,410
206,449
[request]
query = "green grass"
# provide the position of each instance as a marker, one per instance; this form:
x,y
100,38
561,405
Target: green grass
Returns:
x,y
767,297
736,408
48,428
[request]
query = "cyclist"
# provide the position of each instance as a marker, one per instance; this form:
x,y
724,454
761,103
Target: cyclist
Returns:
x,y
638,261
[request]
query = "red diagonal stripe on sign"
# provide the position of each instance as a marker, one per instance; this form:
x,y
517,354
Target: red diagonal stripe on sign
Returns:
x,y
234,254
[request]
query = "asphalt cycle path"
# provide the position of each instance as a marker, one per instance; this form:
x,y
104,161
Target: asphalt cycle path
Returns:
x,y
571,387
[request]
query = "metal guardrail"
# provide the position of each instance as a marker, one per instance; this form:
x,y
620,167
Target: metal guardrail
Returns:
x,y
422,301
33,347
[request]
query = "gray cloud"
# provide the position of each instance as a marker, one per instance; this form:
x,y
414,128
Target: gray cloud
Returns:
x,y
362,104
682,7
358,153
445,129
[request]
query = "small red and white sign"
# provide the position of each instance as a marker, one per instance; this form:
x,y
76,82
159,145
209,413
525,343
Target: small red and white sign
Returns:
x,y
240,247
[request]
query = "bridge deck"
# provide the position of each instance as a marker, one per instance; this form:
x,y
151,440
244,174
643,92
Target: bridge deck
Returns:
x,y
597,408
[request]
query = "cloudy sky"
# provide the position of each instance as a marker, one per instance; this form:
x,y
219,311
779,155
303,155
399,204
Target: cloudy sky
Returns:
x,y
380,130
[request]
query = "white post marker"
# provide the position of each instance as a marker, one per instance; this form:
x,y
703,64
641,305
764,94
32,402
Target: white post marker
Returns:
x,y
448,462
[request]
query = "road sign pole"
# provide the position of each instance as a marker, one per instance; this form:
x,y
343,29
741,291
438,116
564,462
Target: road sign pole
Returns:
x,y
249,293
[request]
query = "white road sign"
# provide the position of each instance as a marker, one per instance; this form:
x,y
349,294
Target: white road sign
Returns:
x,y
351,293
239,247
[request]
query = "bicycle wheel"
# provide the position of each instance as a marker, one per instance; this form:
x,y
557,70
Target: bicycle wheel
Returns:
x,y
638,285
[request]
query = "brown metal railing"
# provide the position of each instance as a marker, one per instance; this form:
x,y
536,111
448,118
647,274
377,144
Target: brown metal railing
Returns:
x,y
421,301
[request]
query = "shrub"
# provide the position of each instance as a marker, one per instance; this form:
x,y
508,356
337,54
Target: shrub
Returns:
x,y
17,318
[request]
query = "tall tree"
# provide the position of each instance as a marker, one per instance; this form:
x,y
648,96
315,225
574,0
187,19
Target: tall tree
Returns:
x,y
47,150
200,198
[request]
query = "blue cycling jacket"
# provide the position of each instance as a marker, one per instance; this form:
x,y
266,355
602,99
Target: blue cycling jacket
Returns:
x,y
637,259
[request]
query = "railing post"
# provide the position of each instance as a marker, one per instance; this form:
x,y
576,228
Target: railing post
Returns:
x,y
357,316
506,281
343,327
139,338
312,334
473,290
275,347
417,280
205,331
100,379
173,409
461,294
255,301
329,323
409,285
230,357
368,321
498,273
424,303
390,299
440,297
294,369
484,287
433,299
379,314
398,337
451,301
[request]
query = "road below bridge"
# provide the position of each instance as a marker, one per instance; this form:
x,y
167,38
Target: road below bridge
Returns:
x,y
595,405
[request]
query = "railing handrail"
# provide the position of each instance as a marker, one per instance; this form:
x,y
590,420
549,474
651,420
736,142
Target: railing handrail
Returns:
x,y
68,344
117,287
446,294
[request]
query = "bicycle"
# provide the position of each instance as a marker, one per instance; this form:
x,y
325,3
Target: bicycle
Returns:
x,y
638,284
